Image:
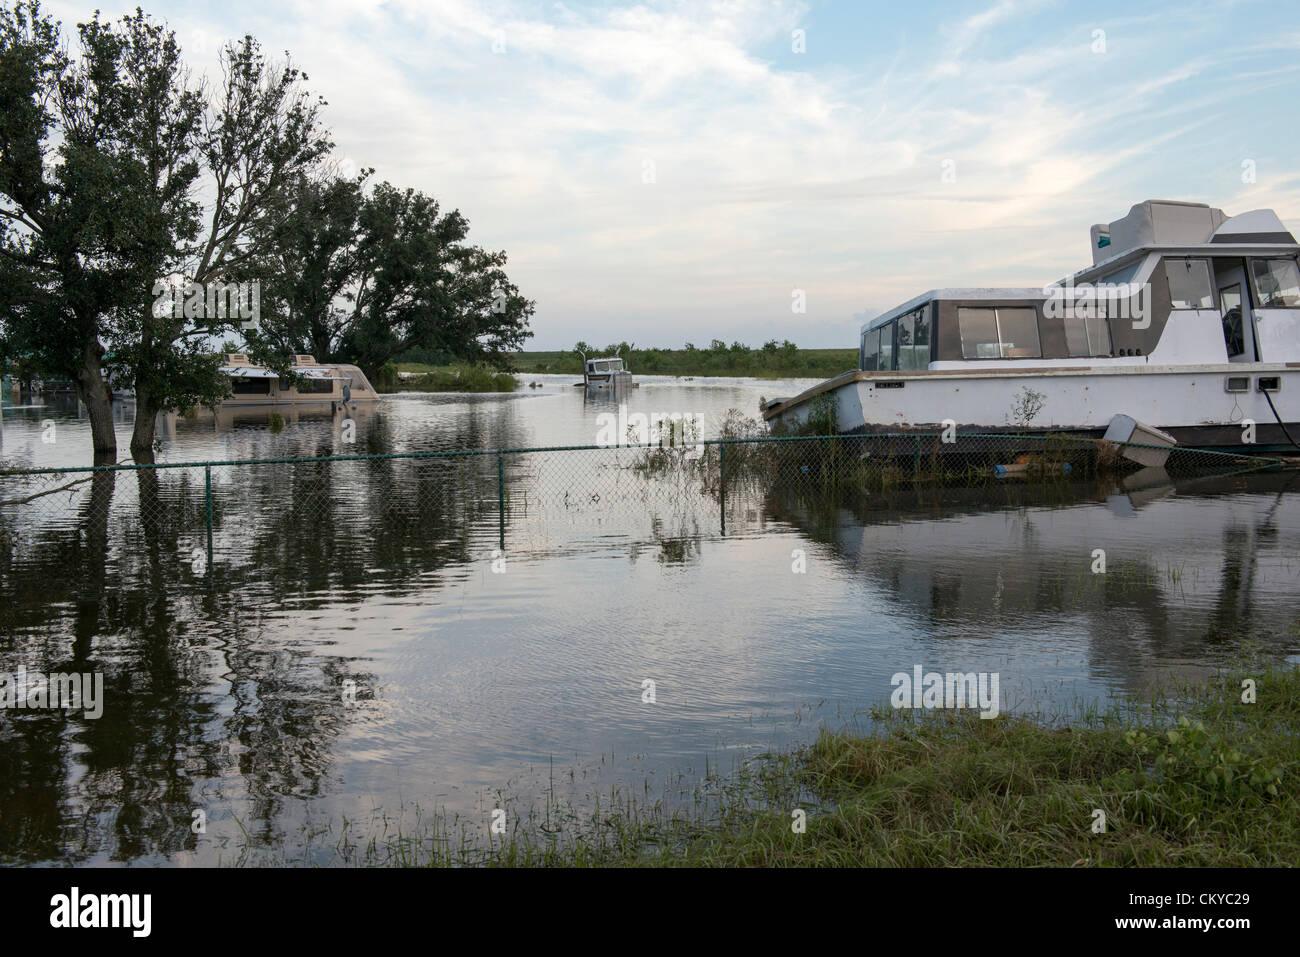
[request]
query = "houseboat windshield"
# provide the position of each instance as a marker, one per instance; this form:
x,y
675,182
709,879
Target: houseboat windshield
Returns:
x,y
1277,282
901,343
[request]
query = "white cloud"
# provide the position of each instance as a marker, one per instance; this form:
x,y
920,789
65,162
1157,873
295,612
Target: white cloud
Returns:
x,y
769,174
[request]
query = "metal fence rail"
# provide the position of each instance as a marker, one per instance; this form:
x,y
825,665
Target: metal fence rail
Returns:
x,y
416,510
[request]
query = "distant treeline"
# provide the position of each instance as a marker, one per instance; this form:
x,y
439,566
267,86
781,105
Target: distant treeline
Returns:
x,y
773,360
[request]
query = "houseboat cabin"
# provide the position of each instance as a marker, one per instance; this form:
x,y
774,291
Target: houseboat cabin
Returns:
x,y
605,373
253,385
1188,320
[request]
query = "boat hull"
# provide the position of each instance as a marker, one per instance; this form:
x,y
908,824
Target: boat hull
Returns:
x,y
608,381
1191,404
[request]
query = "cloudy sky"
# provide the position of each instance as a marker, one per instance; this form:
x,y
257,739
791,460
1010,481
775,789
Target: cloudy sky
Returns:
x,y
664,172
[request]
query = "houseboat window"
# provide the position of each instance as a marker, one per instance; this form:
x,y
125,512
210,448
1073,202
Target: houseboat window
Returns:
x,y
1189,283
979,333
905,324
1234,335
1086,337
914,340
1277,282
316,387
1006,333
886,354
1018,330
921,341
906,337
242,386
871,350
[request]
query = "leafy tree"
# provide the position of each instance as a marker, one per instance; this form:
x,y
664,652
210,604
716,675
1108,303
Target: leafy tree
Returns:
x,y
312,252
262,135
121,178
68,272
102,160
366,276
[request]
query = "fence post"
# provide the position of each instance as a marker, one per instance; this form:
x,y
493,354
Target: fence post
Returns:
x,y
207,507
501,500
916,466
722,485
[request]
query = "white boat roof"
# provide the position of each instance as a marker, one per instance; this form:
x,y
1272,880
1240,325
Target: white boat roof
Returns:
x,y
954,292
258,372
1225,247
1156,225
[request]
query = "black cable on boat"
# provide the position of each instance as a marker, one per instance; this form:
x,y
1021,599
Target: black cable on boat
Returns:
x,y
1269,398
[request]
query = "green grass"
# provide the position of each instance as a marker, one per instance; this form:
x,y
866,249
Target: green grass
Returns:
x,y
780,363
452,378
967,792
1192,778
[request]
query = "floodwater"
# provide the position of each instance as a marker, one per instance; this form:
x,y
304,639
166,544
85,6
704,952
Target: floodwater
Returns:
x,y
485,674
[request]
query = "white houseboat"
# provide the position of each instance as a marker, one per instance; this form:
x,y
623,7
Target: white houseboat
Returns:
x,y
606,373
1188,320
254,386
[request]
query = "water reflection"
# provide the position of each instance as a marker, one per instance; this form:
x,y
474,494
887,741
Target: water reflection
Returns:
x,y
553,413
1190,567
225,683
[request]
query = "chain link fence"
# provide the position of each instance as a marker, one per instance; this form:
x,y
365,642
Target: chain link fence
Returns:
x,y
345,519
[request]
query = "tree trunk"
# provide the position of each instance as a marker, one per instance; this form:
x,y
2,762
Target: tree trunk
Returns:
x,y
320,344
146,419
91,579
92,390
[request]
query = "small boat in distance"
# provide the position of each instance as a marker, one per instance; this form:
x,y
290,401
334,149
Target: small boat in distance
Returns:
x,y
606,373
1188,320
256,386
